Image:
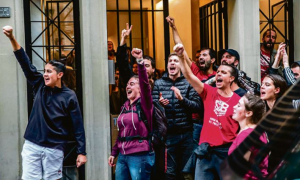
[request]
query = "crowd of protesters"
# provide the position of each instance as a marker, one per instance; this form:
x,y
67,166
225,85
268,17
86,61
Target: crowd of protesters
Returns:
x,y
215,106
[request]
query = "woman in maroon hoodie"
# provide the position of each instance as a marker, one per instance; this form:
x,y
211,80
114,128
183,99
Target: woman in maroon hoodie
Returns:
x,y
135,157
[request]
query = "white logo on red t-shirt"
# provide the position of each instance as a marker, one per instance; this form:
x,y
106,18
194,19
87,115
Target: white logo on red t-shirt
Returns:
x,y
220,108
215,122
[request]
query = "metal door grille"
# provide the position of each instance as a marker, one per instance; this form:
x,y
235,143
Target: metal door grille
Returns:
x,y
271,20
214,26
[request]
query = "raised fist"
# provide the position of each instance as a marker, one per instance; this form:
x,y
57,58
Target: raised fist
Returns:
x,y
137,53
179,49
171,21
8,31
126,32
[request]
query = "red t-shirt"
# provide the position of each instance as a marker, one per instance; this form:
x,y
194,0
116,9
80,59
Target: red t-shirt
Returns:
x,y
218,127
199,73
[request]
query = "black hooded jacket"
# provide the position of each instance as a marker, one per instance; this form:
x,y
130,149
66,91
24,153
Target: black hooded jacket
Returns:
x,y
179,113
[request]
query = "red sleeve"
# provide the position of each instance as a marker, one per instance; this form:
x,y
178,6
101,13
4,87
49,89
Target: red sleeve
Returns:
x,y
195,69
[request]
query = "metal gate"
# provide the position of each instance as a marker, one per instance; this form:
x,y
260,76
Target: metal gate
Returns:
x,y
52,32
214,26
279,16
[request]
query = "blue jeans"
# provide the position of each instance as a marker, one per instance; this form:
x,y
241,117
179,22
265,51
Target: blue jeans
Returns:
x,y
179,149
196,134
137,166
209,168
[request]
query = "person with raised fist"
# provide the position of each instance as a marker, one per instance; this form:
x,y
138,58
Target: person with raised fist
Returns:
x,y
219,129
55,115
135,155
127,64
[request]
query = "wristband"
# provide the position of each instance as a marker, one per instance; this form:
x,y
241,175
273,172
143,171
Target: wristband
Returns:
x,y
139,61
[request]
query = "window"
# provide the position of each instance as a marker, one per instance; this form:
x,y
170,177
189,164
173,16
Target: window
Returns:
x,y
278,15
213,26
147,18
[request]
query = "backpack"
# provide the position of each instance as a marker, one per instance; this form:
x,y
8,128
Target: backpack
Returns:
x,y
159,129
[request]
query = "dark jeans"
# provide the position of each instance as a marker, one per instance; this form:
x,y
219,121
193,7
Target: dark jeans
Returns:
x,y
196,134
137,166
208,165
179,149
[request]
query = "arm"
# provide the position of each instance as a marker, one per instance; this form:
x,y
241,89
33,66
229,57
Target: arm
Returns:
x,y
186,70
155,92
176,37
193,103
30,71
278,56
289,76
125,34
8,31
122,56
287,72
146,98
78,129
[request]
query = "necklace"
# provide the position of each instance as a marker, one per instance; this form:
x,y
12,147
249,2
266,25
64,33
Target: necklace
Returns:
x,y
224,97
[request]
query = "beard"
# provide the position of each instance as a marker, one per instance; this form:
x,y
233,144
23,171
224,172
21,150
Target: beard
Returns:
x,y
268,45
206,66
226,63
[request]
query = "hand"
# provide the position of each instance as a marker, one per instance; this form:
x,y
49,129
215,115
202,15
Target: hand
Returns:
x,y
171,21
8,31
280,48
163,101
111,161
179,49
126,32
177,93
81,159
137,53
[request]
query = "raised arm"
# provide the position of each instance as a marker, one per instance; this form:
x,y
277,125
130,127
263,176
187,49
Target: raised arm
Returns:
x,y
8,31
30,71
146,98
288,74
123,58
176,37
186,70
125,34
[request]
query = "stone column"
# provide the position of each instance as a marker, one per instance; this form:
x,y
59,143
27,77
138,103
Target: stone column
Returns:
x,y
244,36
13,98
296,4
95,87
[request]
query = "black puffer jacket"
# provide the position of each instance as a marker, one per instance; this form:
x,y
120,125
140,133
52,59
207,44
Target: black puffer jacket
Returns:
x,y
179,113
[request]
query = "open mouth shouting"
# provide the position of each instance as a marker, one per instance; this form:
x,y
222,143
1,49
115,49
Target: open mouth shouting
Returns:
x,y
262,93
129,92
172,69
219,82
201,62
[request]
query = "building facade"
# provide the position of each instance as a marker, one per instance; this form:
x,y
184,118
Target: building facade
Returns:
x,y
93,23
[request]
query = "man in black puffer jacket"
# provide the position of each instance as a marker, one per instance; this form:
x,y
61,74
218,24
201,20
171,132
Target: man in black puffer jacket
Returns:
x,y
180,100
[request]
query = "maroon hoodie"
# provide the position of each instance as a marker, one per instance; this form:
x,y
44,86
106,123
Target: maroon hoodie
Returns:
x,y
128,122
